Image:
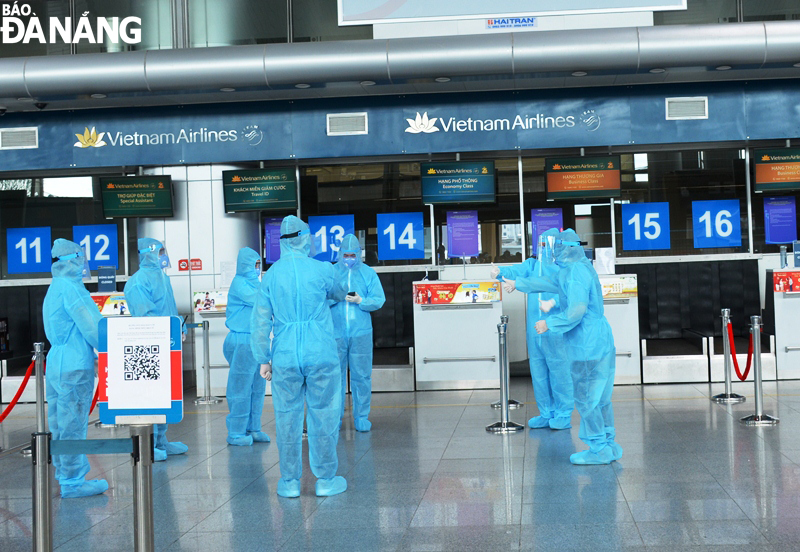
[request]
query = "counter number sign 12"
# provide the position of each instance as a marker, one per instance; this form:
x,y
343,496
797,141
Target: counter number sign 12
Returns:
x,y
645,226
28,250
400,236
99,242
716,223
327,233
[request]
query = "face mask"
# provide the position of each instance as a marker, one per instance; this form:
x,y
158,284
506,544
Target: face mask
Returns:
x,y
349,262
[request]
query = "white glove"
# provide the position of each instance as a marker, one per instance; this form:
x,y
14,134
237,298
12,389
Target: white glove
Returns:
x,y
266,371
509,286
541,327
547,305
183,337
353,299
495,272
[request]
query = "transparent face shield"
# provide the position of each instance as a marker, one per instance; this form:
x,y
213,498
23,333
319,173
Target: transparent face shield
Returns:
x,y
163,256
316,241
86,272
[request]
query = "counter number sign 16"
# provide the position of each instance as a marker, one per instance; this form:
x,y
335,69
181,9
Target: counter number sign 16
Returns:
x,y
645,226
400,236
716,223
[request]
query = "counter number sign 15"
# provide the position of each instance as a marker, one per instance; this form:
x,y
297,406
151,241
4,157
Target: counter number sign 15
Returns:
x,y
716,223
327,233
99,242
28,250
645,226
400,236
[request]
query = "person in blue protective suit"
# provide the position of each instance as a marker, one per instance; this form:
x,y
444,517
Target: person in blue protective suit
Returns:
x,y
149,293
590,346
292,303
70,324
550,369
353,326
246,387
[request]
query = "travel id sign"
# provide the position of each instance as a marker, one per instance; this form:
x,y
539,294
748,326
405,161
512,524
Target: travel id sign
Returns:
x,y
259,190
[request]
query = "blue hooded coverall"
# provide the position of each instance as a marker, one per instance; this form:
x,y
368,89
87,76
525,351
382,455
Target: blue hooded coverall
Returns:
x,y
292,302
353,326
149,293
590,346
70,324
246,388
550,369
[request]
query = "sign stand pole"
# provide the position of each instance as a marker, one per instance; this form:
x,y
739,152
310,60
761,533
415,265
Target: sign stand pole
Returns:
x,y
142,462
40,444
207,398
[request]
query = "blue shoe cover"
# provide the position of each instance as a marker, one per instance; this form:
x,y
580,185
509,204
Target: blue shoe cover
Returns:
x,y
333,486
289,488
362,424
159,455
258,436
240,441
616,450
176,447
605,456
87,488
538,422
560,423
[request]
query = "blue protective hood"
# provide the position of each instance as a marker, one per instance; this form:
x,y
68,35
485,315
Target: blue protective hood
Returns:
x,y
565,251
246,263
71,268
299,244
349,245
149,259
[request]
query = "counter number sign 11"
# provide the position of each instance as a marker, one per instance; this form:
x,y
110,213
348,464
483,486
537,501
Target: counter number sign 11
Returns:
x,y
716,223
400,236
327,233
28,250
99,242
645,226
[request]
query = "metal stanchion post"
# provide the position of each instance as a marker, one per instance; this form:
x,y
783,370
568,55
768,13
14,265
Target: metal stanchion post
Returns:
x,y
142,455
759,418
40,445
206,398
727,397
512,404
503,426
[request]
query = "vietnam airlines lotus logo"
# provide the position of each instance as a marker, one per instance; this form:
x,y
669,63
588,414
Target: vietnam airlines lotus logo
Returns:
x,y
90,139
765,158
422,124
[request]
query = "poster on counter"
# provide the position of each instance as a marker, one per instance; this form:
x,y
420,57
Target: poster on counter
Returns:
x,y
619,287
451,293
786,281
780,219
214,301
111,304
462,234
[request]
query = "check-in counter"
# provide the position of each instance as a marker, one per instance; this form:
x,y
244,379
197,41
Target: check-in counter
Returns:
x,y
455,334
786,294
683,360
621,306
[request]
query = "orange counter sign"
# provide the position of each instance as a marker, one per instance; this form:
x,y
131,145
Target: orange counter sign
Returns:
x,y
777,169
579,177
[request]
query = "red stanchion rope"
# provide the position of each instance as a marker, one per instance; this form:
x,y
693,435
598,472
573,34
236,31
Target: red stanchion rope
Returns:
x,y
94,400
13,402
733,355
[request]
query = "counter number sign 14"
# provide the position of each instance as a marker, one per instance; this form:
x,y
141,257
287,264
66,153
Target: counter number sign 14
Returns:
x,y
99,242
716,223
28,250
645,226
328,232
400,236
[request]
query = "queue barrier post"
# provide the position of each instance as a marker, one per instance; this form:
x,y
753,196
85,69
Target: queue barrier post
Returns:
x,y
40,451
728,397
511,403
759,418
503,426
207,397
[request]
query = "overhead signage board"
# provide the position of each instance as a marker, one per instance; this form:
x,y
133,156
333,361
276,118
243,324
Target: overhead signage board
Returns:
x,y
136,196
777,169
364,12
471,182
582,177
260,190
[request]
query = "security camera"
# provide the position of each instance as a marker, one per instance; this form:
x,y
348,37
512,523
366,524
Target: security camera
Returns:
x,y
40,105
3,110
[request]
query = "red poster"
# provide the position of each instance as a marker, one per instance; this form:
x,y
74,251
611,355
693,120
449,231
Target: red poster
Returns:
x,y
786,281
197,264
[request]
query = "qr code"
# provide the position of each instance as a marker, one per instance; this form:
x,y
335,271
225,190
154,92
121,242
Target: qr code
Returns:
x,y
141,362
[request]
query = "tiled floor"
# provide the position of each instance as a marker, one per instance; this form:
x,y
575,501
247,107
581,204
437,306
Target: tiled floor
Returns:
x,y
428,477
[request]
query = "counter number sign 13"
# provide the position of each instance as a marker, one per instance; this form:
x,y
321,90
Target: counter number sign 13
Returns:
x,y
645,226
716,223
99,242
400,236
327,233
28,250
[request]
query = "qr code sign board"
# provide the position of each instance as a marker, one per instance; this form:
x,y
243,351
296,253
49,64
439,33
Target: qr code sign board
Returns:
x,y
141,362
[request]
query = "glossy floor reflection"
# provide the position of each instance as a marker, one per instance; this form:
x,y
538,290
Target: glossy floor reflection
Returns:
x,y
429,478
